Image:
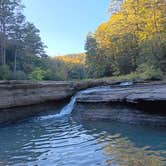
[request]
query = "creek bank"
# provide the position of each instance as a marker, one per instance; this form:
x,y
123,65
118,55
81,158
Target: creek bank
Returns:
x,y
14,95
24,93
16,114
136,104
22,99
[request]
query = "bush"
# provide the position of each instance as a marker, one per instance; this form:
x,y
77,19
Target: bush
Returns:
x,y
149,72
5,72
19,75
37,75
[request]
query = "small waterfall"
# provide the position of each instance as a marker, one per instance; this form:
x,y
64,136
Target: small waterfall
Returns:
x,y
69,107
126,83
67,110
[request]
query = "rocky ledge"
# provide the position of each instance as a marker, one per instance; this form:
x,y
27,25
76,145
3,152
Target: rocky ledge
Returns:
x,y
139,103
129,94
25,93
16,97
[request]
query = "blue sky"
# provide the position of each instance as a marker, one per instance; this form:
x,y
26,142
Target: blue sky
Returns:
x,y
64,24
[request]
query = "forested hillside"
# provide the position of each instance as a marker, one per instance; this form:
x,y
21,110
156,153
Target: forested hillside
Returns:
x,y
22,52
20,42
133,40
71,66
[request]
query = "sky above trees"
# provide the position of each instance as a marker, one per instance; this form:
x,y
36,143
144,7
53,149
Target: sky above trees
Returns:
x,y
64,24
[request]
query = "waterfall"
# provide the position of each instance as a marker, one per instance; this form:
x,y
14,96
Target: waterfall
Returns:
x,y
126,83
67,110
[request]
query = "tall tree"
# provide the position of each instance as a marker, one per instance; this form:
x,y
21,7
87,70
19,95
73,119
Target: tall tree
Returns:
x,y
8,15
32,40
134,34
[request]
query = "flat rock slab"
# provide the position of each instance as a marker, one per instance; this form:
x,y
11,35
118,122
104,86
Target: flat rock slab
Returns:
x,y
129,94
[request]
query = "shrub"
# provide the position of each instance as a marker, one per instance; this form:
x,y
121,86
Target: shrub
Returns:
x,y
20,75
37,75
149,72
5,72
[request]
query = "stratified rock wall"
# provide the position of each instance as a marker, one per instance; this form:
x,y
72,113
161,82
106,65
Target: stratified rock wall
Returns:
x,y
14,94
129,94
23,93
119,113
139,103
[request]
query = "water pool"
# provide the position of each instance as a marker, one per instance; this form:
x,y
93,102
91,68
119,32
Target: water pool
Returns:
x,y
41,141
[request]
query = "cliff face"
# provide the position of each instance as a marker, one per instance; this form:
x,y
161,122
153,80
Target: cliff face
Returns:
x,y
118,113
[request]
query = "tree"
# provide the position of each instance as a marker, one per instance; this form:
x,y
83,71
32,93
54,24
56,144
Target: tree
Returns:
x,y
91,52
134,34
19,39
32,41
37,75
9,10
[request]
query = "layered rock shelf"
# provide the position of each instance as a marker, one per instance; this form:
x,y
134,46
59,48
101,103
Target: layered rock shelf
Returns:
x,y
129,94
139,103
24,93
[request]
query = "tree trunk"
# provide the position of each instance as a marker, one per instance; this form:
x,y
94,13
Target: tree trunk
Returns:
x,y
4,56
15,62
1,55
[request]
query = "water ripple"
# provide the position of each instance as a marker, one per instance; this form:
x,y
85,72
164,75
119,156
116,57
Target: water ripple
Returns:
x,y
69,143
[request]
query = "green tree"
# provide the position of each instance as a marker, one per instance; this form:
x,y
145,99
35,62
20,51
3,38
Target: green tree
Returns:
x,y
9,11
134,34
37,75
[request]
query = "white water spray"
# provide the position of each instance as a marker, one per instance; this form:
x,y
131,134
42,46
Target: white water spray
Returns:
x,y
126,83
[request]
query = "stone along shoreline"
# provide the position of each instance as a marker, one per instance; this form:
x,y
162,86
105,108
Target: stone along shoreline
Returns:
x,y
103,104
143,103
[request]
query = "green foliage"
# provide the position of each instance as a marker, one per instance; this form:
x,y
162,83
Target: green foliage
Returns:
x,y
19,75
149,72
37,75
70,67
119,48
134,34
21,47
5,72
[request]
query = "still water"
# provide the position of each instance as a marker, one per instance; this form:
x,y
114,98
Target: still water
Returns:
x,y
63,141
